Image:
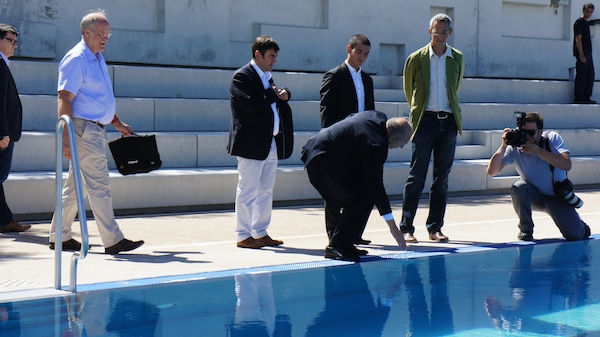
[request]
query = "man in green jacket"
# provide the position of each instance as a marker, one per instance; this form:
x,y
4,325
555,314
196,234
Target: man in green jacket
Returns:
x,y
432,79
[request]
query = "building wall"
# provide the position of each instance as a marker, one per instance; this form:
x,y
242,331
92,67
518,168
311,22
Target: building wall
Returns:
x,y
500,38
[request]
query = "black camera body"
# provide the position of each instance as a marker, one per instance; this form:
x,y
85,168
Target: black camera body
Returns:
x,y
518,136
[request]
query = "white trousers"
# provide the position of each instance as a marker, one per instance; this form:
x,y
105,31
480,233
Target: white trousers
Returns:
x,y
91,149
254,195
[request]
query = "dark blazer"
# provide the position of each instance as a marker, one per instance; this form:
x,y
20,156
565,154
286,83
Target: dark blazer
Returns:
x,y
356,149
251,127
11,111
338,95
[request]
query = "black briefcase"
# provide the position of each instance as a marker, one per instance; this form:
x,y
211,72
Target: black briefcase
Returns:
x,y
135,154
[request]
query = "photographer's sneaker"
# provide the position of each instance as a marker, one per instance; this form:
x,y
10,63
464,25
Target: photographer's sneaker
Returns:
x,y
525,236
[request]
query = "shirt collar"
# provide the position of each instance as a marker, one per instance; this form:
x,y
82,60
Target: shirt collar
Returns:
x,y
261,73
5,58
351,68
447,53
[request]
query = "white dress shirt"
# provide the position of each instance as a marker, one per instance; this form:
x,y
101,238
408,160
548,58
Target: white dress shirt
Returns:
x,y
438,92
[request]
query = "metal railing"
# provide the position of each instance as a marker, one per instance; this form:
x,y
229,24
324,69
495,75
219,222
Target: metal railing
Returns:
x,y
79,255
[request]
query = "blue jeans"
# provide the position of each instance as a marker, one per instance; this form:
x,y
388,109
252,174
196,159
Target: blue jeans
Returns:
x,y
525,198
437,136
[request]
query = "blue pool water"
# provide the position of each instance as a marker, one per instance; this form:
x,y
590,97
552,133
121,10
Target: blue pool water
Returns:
x,y
542,289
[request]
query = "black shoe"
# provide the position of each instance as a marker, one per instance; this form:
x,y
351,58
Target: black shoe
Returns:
x,y
360,252
123,246
525,236
71,245
587,230
336,254
362,241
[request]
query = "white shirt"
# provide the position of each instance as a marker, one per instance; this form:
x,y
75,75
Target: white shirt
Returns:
x,y
265,76
438,92
5,58
358,86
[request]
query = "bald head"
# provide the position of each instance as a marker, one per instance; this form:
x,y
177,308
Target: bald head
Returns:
x,y
399,132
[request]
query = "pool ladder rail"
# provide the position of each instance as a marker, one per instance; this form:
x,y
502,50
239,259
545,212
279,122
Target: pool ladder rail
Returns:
x,y
78,255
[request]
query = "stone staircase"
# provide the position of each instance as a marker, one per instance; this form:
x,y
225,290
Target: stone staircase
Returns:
x,y
188,110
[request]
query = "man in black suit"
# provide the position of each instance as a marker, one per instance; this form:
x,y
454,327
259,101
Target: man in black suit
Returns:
x,y
345,90
11,116
256,131
345,164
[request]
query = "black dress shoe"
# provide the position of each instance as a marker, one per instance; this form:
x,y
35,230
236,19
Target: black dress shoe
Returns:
x,y
71,245
525,236
336,254
123,246
360,252
362,241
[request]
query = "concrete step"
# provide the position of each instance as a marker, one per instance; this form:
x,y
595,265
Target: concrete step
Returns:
x,y
142,81
32,194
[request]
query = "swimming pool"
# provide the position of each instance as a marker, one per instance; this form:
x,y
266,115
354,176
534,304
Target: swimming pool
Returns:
x,y
520,289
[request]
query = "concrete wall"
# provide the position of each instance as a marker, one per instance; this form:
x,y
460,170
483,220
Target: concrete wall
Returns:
x,y
500,38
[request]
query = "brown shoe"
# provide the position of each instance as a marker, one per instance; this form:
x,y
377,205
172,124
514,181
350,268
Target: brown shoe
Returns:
x,y
438,237
14,226
408,237
268,241
250,243
70,245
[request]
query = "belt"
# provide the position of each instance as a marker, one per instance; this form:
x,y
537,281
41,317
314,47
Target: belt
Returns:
x,y
440,114
94,122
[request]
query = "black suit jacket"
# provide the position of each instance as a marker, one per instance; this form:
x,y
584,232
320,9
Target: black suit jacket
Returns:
x,y
11,111
251,127
338,95
356,149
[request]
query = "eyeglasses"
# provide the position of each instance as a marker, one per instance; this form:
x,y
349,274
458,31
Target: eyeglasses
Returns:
x,y
531,132
104,36
444,33
12,41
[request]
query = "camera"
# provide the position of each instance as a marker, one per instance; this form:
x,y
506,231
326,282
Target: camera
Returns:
x,y
518,136
564,189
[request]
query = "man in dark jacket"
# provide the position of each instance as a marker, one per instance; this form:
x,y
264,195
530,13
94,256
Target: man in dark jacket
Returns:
x,y
345,164
11,116
255,134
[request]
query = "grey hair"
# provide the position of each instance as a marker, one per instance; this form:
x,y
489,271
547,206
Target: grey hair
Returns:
x,y
89,20
441,17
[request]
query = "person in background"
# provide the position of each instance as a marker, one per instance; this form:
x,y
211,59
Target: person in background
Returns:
x,y
85,95
582,50
11,119
344,163
345,90
432,79
255,125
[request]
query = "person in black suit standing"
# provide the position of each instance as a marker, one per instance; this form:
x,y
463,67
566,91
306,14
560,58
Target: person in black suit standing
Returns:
x,y
11,116
345,164
255,133
346,89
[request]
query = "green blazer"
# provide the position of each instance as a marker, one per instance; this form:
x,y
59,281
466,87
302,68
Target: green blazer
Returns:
x,y
416,84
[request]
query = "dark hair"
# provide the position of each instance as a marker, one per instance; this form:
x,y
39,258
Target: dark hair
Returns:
x,y
358,38
588,5
6,28
264,43
535,117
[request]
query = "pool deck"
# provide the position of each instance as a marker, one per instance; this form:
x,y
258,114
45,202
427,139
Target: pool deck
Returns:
x,y
192,243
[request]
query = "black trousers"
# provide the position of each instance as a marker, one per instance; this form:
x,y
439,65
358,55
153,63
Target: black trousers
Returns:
x,y
347,208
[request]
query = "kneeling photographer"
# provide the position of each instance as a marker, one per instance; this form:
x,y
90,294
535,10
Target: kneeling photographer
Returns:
x,y
542,161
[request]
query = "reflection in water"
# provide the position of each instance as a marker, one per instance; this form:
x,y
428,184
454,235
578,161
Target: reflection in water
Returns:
x,y
435,319
10,321
542,285
349,306
102,313
255,311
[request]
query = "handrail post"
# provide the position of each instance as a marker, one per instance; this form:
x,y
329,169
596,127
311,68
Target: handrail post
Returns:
x,y
62,121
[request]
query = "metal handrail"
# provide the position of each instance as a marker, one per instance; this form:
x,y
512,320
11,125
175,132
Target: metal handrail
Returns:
x,y
62,121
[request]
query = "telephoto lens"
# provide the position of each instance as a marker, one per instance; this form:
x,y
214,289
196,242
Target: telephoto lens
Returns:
x,y
572,198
